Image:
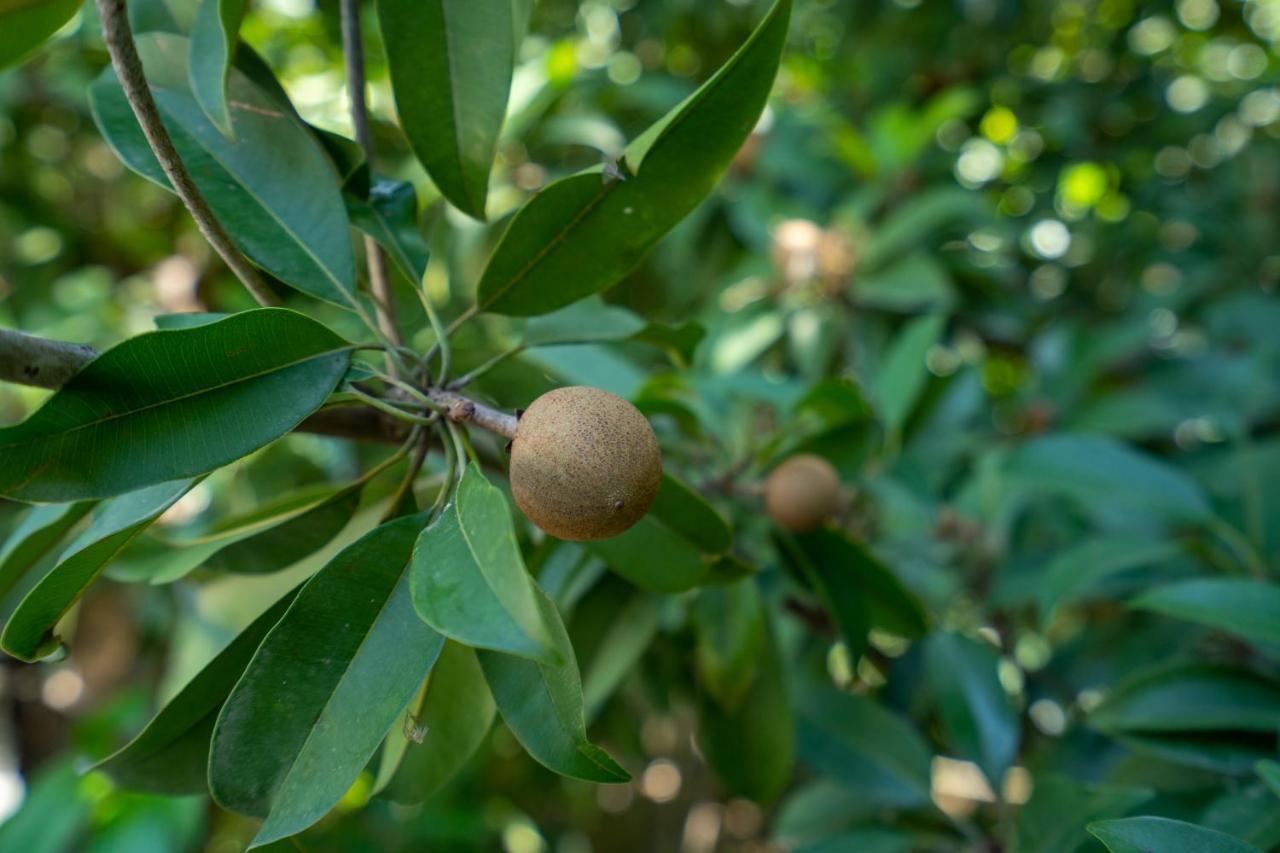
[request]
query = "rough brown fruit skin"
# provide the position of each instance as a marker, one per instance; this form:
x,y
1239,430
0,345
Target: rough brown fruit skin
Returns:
x,y
585,464
802,493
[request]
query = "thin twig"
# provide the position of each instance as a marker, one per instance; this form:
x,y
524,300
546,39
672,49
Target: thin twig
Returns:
x,y
472,375
128,67
353,51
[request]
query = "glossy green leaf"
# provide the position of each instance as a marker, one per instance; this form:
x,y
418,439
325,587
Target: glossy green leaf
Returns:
x,y
172,404
674,547
468,579
40,530
582,234
619,650
213,45
273,189
976,713
324,688
187,320
1191,697
29,633
390,216
866,747
454,715
451,63
587,321
1103,473
1249,609
27,24
729,622
903,375
171,755
1163,835
1072,572
752,747
543,706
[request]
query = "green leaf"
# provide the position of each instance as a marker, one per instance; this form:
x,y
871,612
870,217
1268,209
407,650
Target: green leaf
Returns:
x,y
29,634
1192,697
451,63
1163,835
35,536
865,746
1103,473
916,283
171,755
976,712
172,404
543,706
616,654
729,622
902,377
1269,772
54,815
752,747
1074,571
325,686
469,581
187,320
673,547
582,234
455,713
587,321
390,216
27,24
1249,609
213,45
1050,821
273,189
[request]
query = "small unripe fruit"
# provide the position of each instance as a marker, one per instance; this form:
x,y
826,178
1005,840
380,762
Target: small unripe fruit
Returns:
x,y
585,464
802,493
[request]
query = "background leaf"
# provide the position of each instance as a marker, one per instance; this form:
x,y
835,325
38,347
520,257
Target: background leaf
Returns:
x,y
213,43
166,405
1249,609
1144,834
40,530
729,622
25,25
976,713
902,377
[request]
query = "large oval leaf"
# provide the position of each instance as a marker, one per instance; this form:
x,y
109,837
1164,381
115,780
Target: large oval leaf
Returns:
x,y
729,622
543,706
29,634
451,64
978,717
27,24
171,755
213,44
172,404
1147,834
324,688
273,189
469,581
582,234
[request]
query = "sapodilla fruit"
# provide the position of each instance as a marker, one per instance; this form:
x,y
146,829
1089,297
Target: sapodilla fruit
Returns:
x,y
802,492
585,464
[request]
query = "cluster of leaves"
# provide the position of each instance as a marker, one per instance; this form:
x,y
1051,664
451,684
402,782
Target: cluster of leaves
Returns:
x,y
1047,618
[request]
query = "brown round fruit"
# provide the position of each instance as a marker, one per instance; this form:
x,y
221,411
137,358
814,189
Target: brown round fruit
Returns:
x,y
802,492
585,464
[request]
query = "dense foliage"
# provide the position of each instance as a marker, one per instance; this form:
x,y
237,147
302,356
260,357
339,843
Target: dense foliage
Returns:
x,y
1009,267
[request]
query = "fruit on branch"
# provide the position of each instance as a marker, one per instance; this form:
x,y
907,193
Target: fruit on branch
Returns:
x,y
585,464
802,493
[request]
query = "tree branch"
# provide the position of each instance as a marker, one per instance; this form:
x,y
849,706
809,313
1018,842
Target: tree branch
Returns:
x,y
128,67
353,52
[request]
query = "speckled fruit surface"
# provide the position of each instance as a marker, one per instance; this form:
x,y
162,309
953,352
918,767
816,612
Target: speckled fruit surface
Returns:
x,y
585,464
802,492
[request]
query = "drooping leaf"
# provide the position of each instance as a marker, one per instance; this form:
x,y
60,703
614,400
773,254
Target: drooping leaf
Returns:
x,y
40,530
213,44
324,687
752,747
543,706
1162,834
730,623
171,755
172,404
582,234
469,581
1249,609
454,716
587,321
674,547
1072,572
273,189
27,24
451,63
390,216
1194,697
29,633
903,375
976,712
